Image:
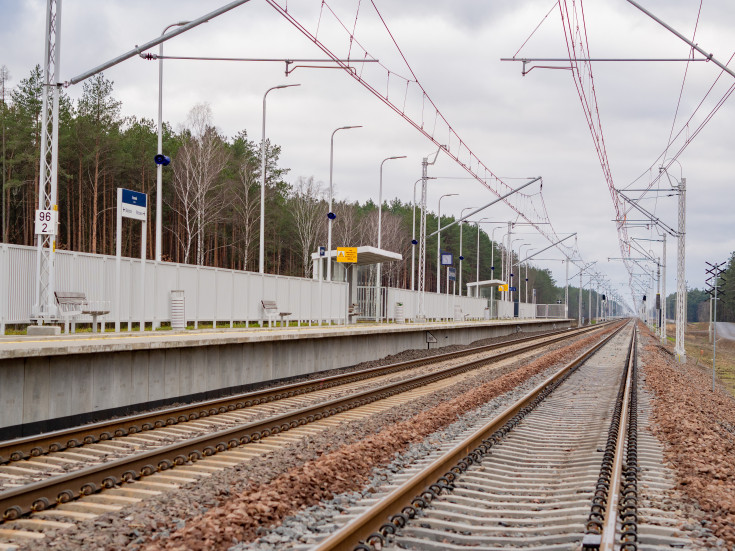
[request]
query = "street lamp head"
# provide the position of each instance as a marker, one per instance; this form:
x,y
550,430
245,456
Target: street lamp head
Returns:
x,y
347,127
285,86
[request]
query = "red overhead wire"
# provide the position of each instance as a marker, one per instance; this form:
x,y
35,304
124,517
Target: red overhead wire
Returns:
x,y
453,140
537,28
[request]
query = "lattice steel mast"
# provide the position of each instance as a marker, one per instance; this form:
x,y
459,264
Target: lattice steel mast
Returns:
x,y
681,289
44,308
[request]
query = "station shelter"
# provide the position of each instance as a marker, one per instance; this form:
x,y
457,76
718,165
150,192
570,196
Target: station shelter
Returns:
x,y
367,302
475,288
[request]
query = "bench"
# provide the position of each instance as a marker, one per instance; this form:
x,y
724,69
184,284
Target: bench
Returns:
x,y
353,311
271,310
73,304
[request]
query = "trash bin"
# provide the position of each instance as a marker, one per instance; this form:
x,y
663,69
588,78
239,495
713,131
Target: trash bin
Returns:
x,y
178,310
457,312
487,313
399,314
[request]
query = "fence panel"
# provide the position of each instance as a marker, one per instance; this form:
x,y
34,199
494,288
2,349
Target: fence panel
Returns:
x,y
210,293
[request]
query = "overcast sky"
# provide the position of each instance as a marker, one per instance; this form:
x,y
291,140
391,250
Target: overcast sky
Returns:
x,y
518,126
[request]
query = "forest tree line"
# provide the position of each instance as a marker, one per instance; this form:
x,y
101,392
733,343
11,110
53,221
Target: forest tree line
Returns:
x,y
211,195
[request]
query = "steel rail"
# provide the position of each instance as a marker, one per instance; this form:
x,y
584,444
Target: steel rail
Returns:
x,y
425,483
36,445
609,530
601,526
43,494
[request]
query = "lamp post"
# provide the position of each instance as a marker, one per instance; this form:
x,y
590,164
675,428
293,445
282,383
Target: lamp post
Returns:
x,y
510,267
461,258
331,216
518,289
529,250
492,251
380,243
492,266
477,268
261,262
159,167
504,265
438,242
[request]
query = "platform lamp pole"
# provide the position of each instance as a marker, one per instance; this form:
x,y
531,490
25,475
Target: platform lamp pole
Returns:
x,y
461,258
492,266
330,215
438,243
261,256
477,269
378,301
159,166
510,266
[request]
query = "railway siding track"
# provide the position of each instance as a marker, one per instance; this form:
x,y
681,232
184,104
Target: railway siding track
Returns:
x,y
63,489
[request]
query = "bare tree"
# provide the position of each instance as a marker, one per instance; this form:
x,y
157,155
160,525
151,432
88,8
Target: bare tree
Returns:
x,y
308,207
396,238
245,199
197,168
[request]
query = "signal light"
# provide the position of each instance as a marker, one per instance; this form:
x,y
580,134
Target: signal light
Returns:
x,y
161,160
414,242
331,216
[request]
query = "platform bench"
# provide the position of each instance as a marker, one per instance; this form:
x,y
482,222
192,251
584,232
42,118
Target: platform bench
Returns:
x,y
271,310
353,312
73,304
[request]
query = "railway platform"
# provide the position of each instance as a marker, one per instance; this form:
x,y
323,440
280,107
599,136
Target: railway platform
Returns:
x,y
50,383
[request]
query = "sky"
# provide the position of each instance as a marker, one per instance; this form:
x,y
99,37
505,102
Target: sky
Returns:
x,y
518,126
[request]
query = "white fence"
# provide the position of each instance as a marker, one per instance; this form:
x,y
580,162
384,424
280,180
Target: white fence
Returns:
x,y
211,294
436,305
551,311
442,306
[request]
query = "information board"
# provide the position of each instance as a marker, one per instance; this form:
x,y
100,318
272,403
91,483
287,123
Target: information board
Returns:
x,y
346,254
134,204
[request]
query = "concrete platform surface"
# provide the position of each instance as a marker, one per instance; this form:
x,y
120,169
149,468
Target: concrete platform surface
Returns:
x,y
27,346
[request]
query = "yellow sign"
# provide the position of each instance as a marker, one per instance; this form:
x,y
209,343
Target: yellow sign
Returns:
x,y
346,254
503,287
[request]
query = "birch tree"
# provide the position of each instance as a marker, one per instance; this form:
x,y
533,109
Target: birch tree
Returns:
x,y
307,208
196,181
244,193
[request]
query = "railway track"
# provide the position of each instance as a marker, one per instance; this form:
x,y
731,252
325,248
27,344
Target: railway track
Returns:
x,y
73,438
563,468
150,470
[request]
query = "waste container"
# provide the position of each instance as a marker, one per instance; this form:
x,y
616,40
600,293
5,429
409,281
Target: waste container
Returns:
x,y
178,310
400,316
487,313
457,312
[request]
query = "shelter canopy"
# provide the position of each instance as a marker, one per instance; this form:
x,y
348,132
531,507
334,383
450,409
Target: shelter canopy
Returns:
x,y
365,256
